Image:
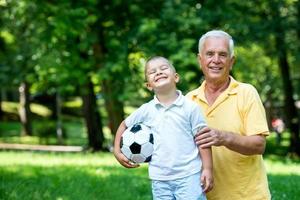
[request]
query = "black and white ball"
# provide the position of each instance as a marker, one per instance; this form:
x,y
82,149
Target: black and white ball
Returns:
x,y
137,143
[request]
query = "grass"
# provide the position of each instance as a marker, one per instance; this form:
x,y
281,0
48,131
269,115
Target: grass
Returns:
x,y
29,175
284,177
66,176
75,131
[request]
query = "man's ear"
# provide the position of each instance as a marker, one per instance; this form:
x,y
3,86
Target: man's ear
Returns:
x,y
199,59
148,86
232,61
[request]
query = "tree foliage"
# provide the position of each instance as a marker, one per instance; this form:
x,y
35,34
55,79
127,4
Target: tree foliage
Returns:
x,y
62,46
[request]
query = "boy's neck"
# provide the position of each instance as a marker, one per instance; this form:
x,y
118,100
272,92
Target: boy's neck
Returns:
x,y
167,98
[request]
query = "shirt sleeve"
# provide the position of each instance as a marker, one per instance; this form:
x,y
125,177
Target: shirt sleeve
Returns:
x,y
137,116
255,121
197,119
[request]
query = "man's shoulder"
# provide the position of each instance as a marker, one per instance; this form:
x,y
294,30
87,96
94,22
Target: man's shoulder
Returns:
x,y
192,93
247,93
246,88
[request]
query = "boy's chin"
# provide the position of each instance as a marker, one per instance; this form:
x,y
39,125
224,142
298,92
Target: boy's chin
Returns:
x,y
165,88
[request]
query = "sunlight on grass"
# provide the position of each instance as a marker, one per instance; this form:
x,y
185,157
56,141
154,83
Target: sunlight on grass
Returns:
x,y
282,166
76,102
21,140
54,159
34,175
40,110
13,107
284,177
41,175
10,107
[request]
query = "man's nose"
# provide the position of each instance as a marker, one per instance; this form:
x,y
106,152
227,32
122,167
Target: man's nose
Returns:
x,y
216,58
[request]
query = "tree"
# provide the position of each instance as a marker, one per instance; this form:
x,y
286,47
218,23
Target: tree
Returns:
x,y
292,120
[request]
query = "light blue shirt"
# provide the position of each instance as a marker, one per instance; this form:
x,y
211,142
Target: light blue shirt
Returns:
x,y
175,152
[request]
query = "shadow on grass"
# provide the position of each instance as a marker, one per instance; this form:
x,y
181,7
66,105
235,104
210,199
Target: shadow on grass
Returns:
x,y
74,182
284,186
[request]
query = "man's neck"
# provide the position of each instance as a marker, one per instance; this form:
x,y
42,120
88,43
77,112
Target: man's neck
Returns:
x,y
217,87
214,89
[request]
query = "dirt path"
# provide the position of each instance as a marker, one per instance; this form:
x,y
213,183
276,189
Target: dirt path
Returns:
x,y
54,148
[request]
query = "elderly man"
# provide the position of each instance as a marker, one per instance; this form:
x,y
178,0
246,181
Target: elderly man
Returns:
x,y
236,120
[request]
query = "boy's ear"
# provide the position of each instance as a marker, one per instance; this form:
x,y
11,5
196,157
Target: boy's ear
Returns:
x,y
177,78
148,86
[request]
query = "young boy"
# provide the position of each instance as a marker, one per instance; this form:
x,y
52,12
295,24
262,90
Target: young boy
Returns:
x,y
175,167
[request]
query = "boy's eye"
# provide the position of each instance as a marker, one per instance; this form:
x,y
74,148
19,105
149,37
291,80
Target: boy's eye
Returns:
x,y
151,72
164,67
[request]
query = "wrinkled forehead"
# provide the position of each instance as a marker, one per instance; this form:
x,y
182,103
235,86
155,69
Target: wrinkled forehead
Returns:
x,y
215,44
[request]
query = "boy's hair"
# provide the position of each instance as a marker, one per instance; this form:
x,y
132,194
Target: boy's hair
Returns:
x,y
217,33
158,58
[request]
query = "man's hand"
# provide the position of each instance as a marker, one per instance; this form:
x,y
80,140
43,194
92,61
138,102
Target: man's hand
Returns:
x,y
208,137
243,144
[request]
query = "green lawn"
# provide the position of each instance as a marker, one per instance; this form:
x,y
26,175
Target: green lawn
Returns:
x,y
74,129
32,175
284,177
66,176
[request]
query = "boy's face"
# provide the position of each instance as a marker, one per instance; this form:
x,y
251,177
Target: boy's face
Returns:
x,y
160,75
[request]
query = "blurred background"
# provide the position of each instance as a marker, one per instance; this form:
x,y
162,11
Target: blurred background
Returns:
x,y
70,71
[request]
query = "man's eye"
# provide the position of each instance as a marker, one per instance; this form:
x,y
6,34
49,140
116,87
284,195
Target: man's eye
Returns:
x,y
209,53
223,54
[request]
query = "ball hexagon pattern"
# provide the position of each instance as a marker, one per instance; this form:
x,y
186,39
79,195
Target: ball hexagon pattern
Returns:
x,y
137,143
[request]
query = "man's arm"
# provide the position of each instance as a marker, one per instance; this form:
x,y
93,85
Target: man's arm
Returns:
x,y
246,145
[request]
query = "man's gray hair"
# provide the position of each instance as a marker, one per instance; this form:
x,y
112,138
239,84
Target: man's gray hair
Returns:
x,y
217,33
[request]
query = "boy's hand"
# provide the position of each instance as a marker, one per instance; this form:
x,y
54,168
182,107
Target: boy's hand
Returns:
x,y
124,161
207,180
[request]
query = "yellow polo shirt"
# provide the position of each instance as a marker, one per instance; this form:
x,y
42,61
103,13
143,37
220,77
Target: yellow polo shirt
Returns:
x,y
238,110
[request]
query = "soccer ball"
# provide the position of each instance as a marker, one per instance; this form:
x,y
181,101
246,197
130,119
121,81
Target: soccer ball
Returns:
x,y
137,143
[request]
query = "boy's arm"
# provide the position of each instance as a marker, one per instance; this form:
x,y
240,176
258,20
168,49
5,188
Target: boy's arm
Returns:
x,y
117,150
207,168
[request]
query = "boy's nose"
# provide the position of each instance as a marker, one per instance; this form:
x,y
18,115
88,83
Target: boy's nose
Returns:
x,y
158,71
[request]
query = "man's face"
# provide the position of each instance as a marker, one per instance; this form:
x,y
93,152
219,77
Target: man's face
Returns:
x,y
215,60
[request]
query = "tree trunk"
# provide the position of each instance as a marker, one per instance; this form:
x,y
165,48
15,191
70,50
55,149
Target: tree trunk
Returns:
x,y
114,107
92,118
1,111
59,129
292,122
25,113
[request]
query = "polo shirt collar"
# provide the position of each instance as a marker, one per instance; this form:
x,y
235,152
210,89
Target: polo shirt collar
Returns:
x,y
232,89
178,102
